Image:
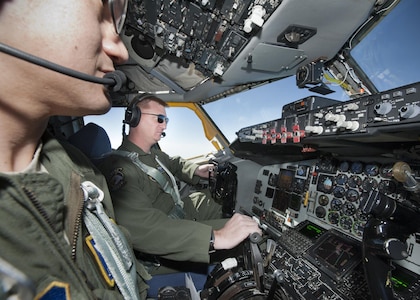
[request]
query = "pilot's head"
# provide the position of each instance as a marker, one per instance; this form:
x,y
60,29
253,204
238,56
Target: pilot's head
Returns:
x,y
80,35
147,118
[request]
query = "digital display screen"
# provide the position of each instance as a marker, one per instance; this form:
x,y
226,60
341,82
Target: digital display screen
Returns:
x,y
335,254
402,279
311,231
295,202
281,201
282,198
285,179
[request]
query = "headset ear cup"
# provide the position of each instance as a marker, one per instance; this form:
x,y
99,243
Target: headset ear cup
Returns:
x,y
132,115
133,112
135,116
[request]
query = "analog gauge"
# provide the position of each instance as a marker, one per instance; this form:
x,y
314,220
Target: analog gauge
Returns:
x,y
333,217
344,166
302,171
325,184
354,181
358,227
323,200
341,179
346,222
361,216
356,167
369,184
298,185
336,204
320,212
387,186
348,209
339,191
386,171
372,169
352,195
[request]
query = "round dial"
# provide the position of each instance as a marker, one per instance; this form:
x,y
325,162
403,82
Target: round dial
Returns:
x,y
358,227
372,169
339,191
354,181
336,204
349,209
323,200
320,212
333,217
387,186
327,184
344,166
386,171
341,179
352,195
361,216
356,167
369,184
346,222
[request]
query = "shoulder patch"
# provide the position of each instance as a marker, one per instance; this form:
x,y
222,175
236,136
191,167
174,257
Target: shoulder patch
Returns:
x,y
117,179
55,291
105,272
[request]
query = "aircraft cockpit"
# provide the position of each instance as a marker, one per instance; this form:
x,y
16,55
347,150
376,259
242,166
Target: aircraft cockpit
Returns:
x,y
333,177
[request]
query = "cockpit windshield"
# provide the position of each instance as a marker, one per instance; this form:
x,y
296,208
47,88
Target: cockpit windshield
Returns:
x,y
388,55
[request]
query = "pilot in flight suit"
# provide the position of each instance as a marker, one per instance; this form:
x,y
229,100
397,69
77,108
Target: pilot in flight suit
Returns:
x,y
173,233
41,231
143,207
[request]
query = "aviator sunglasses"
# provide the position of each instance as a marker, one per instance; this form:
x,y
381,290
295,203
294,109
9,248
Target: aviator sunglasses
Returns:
x,y
160,118
118,10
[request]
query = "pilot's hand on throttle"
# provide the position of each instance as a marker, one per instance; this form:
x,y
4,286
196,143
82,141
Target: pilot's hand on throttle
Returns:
x,y
238,228
204,170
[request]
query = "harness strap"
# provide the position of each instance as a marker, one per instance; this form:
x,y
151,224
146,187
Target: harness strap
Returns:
x,y
171,189
110,242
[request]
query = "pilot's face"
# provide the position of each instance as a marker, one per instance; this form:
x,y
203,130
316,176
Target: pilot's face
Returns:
x,y
150,126
77,34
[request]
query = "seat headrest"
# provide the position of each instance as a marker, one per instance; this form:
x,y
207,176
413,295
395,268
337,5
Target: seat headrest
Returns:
x,y
92,140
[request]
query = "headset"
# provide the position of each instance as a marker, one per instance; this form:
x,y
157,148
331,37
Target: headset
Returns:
x,y
113,80
133,112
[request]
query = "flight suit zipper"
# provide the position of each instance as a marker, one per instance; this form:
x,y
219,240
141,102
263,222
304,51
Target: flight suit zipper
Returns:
x,y
77,225
43,213
39,207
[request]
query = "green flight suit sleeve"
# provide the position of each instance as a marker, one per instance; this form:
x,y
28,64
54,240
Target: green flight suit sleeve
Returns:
x,y
142,207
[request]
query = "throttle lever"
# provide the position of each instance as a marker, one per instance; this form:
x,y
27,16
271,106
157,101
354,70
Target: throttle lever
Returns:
x,y
256,259
271,248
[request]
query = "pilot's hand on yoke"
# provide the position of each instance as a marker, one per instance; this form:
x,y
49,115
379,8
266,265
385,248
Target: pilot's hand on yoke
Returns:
x,y
237,229
205,170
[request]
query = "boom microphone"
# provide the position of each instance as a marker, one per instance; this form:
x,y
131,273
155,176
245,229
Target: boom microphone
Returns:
x,y
114,80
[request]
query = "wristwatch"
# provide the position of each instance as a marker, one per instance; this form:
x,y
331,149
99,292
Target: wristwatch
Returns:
x,y
211,246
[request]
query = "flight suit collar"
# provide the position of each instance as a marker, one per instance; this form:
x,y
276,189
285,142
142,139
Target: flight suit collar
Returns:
x,y
127,145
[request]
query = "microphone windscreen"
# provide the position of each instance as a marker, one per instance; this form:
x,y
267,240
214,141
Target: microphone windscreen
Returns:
x,y
119,80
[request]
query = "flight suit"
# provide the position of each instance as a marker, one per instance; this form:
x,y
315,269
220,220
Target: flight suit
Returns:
x,y
41,228
142,206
